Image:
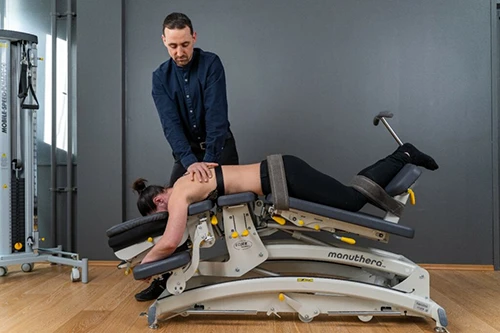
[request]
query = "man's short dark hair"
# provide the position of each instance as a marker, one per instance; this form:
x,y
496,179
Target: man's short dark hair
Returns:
x,y
177,21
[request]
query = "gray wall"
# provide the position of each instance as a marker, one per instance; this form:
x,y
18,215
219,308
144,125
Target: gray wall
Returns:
x,y
99,125
304,78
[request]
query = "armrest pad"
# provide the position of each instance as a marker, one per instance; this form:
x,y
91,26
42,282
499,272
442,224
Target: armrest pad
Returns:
x,y
176,260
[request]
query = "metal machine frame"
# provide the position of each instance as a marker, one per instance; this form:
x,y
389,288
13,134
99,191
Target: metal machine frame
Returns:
x,y
19,235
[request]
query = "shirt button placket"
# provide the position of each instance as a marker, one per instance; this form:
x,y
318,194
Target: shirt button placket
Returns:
x,y
189,103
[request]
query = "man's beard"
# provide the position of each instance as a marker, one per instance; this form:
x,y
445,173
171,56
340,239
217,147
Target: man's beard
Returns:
x,y
182,61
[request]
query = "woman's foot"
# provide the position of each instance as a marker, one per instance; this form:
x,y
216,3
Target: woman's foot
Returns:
x,y
417,157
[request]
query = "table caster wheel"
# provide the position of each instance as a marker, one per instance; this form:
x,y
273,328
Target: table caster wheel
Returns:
x,y
3,271
305,319
27,267
365,319
75,274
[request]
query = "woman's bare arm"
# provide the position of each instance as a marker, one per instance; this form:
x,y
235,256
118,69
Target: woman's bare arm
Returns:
x,y
177,217
185,192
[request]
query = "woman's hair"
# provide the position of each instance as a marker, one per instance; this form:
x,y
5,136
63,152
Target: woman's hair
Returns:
x,y
145,202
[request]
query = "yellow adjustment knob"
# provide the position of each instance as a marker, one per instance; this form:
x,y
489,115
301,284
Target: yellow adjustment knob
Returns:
x,y
214,220
348,240
234,234
316,227
42,239
245,233
301,223
150,239
281,297
40,58
412,196
279,220
18,246
127,271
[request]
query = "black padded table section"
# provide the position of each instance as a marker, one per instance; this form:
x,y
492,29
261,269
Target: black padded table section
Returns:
x,y
200,207
403,180
236,199
360,219
134,223
136,230
130,232
176,260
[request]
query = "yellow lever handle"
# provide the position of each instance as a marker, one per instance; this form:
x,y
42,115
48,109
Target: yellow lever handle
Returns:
x,y
279,220
412,196
348,240
214,220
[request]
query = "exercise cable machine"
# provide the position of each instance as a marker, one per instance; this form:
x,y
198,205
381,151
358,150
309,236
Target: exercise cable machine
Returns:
x,y
19,235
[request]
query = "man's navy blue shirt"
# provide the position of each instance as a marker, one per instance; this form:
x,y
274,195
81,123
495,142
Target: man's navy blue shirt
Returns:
x,y
192,105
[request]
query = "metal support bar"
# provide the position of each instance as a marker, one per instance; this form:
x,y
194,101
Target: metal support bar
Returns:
x,y
69,158
222,312
364,313
53,255
394,135
53,148
2,10
495,123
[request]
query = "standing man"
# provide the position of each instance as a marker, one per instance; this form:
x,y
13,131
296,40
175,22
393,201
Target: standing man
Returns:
x,y
189,91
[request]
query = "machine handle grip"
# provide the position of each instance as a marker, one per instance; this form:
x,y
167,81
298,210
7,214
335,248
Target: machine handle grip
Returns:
x,y
383,114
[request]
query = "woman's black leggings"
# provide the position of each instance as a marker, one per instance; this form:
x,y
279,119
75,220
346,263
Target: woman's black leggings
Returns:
x,y
306,183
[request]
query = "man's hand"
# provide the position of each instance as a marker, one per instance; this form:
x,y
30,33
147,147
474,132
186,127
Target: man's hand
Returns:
x,y
201,170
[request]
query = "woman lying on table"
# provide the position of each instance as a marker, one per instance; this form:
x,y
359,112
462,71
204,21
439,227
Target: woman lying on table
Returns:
x,y
303,181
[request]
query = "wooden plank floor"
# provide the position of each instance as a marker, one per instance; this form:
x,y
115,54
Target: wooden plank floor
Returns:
x,y
45,300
